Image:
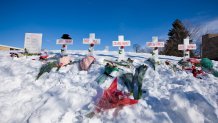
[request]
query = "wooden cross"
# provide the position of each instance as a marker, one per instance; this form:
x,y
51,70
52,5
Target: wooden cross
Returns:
x,y
64,43
186,47
155,44
121,43
92,41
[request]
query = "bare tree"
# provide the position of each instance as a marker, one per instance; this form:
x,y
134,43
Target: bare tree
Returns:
x,y
136,47
146,50
195,34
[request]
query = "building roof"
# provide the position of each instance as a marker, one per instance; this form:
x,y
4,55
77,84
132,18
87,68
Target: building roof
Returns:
x,y
10,46
210,35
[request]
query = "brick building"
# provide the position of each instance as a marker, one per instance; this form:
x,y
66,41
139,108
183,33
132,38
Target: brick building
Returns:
x,y
210,46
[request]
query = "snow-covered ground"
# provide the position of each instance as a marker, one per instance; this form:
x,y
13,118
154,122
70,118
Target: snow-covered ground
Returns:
x,y
62,97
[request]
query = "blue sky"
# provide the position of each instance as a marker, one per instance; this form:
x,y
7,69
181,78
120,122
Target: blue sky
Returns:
x,y
137,20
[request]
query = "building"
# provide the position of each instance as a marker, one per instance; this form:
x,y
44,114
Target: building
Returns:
x,y
210,46
5,47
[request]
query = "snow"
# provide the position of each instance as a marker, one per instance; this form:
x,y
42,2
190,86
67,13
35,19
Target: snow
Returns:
x,y
64,96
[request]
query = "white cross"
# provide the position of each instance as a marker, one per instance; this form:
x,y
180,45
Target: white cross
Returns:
x,y
155,44
186,47
64,43
121,42
91,39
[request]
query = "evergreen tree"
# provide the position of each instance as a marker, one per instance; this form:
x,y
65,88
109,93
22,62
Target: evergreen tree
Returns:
x,y
176,36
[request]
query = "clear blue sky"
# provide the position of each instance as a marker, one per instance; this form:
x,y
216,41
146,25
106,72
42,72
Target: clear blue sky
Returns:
x,y
138,20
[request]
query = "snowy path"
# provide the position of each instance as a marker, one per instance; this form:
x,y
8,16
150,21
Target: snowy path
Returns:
x,y
60,97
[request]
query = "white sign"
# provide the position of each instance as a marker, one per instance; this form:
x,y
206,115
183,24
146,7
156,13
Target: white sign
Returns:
x,y
155,43
189,47
121,42
64,41
33,42
186,47
91,39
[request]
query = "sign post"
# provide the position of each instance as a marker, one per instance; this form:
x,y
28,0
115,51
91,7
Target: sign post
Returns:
x,y
186,47
155,45
91,41
64,43
121,43
33,42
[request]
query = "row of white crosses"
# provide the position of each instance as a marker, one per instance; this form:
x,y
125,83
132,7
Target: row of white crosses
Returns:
x,y
121,43
186,47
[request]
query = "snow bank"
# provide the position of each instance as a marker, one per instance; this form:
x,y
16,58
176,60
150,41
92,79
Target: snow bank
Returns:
x,y
62,97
